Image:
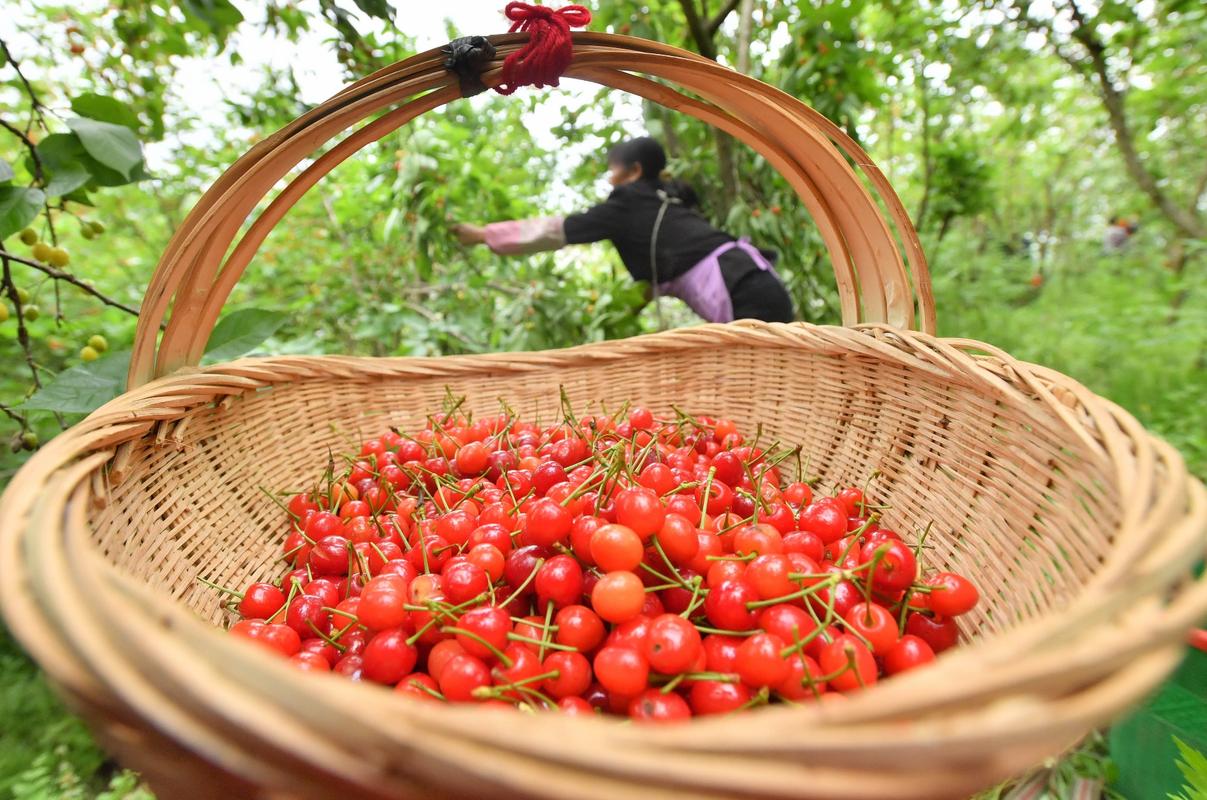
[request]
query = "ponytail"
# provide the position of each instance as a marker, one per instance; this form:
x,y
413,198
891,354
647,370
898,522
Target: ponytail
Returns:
x,y
681,190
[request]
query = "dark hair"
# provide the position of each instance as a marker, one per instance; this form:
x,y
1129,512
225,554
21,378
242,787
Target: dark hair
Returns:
x,y
648,152
644,150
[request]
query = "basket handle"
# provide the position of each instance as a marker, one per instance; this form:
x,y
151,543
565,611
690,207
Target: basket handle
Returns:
x,y
880,279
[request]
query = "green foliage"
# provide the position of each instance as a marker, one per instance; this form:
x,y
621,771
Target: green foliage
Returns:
x,y
19,206
1193,766
1084,771
38,740
85,387
242,331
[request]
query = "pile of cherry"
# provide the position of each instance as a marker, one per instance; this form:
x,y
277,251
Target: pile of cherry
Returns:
x,y
658,568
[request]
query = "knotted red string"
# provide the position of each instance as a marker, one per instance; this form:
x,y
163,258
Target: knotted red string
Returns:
x,y
549,50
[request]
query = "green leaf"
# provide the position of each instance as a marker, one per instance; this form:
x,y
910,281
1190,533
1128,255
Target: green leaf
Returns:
x,y
83,388
376,8
105,109
241,331
18,207
61,151
1193,766
65,181
6,171
220,16
64,153
115,146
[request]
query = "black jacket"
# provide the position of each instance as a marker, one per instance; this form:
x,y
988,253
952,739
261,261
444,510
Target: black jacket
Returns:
x,y
627,219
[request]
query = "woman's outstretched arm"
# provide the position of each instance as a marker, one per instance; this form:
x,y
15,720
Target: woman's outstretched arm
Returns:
x,y
521,236
515,237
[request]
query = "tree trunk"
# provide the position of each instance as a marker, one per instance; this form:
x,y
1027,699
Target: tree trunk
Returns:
x,y
745,24
1185,220
928,166
703,33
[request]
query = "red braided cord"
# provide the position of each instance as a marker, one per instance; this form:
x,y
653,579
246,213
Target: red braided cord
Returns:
x,y
542,61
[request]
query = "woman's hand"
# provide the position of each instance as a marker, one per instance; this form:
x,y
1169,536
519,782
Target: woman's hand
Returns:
x,y
468,234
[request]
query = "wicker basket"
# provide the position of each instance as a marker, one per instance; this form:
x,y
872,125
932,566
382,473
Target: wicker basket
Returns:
x,y
1081,529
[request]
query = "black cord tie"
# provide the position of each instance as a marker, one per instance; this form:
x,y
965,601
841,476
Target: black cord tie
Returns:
x,y
468,57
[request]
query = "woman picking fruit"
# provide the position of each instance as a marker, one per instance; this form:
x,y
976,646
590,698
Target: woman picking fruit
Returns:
x,y
661,238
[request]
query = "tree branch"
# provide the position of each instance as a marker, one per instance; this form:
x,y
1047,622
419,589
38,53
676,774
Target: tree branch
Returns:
x,y
707,47
716,22
1112,98
745,24
29,89
39,175
701,36
927,162
20,420
14,297
1199,189
58,274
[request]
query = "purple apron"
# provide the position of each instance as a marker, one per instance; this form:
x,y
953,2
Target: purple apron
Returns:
x,y
703,288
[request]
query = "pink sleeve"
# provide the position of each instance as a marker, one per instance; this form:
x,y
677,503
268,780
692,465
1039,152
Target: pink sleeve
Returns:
x,y
526,235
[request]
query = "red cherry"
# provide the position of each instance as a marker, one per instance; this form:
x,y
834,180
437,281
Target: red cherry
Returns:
x,y
803,681
548,523
621,670
641,418
618,596
950,595
486,630
640,510
573,674
909,653
417,686
789,623
350,666
616,547
388,657
726,607
806,543
461,676
472,459
849,662
768,574
306,616
672,645
759,662
575,707
560,581
798,494
658,478
825,518
548,475
760,539
897,567
578,627
464,581
654,705
329,556
852,501
941,633
281,639
310,662
261,601
715,697
719,496
678,539
875,624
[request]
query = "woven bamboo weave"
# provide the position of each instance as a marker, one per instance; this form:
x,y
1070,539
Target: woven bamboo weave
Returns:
x,y
1081,529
